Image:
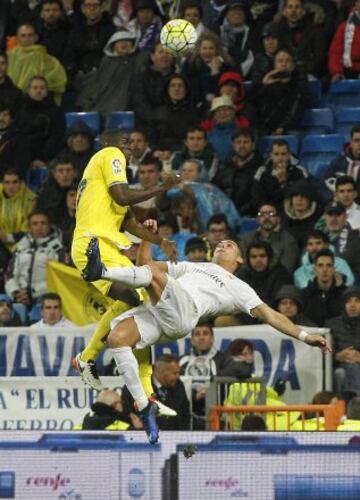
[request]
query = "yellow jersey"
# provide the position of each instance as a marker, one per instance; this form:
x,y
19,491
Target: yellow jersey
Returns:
x,y
97,214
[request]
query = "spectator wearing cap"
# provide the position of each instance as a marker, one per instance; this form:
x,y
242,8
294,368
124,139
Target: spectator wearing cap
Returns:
x,y
237,173
344,239
168,228
264,59
8,317
223,112
52,194
236,35
316,241
146,23
207,62
196,250
345,331
301,210
87,39
289,302
322,297
346,193
79,145
51,313
110,87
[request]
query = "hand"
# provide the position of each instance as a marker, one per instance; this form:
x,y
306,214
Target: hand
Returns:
x,y
170,180
280,170
318,341
200,393
37,164
337,77
22,296
169,248
215,65
152,225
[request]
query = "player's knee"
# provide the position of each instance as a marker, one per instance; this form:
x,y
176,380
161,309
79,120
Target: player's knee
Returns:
x,y
116,338
123,335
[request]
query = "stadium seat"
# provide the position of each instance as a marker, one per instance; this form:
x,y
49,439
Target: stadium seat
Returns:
x,y
320,148
121,119
91,118
345,119
317,168
317,121
315,92
343,93
35,314
21,310
266,141
248,224
35,177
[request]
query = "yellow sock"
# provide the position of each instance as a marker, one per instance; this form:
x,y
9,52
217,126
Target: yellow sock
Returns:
x,y
97,342
143,357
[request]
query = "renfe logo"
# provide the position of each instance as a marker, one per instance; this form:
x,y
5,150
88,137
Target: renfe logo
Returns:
x,y
228,483
51,482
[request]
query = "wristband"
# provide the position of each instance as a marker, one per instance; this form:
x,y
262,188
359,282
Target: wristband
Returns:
x,y
302,336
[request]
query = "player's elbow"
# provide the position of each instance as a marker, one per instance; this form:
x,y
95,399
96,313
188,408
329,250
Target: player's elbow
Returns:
x,y
263,313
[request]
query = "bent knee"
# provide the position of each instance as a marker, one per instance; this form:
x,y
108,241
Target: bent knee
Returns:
x,y
124,334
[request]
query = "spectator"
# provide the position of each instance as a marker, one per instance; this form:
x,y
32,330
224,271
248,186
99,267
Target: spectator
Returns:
x,y
42,121
270,229
183,206
275,177
213,14
149,175
8,317
288,300
313,422
316,241
301,210
202,364
206,64
86,41
236,36
5,257
218,229
52,194
347,163
198,148
223,113
322,296
54,28
176,115
235,177
15,148
79,145
29,59
171,392
9,92
344,52
168,228
253,423
346,193
345,331
150,87
352,422
345,240
264,60
307,39
146,24
195,250
67,224
139,147
107,413
16,204
26,275
263,275
282,96
110,87
51,313
193,13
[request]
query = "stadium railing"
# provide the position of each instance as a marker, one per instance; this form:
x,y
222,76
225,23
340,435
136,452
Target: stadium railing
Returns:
x,y
326,417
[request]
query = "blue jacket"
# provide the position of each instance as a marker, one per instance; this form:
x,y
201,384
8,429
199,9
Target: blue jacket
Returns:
x,y
220,138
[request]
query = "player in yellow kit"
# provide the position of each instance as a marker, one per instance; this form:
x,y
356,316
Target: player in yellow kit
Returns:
x,y
103,211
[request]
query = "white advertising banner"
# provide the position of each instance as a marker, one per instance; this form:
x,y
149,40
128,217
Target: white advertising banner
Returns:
x,y
48,353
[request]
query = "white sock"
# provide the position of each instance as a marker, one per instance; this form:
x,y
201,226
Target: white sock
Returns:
x,y
128,367
134,277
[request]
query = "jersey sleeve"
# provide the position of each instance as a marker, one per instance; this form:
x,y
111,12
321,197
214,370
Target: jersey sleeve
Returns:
x,y
114,167
247,298
179,269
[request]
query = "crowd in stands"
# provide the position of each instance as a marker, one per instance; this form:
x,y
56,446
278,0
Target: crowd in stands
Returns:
x,y
258,69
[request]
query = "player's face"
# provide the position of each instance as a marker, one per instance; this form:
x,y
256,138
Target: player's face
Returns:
x,y
355,145
243,146
5,311
352,307
161,58
190,171
11,185
226,252
202,338
258,259
207,51
346,194
3,67
192,15
288,307
64,174
51,311
39,226
195,141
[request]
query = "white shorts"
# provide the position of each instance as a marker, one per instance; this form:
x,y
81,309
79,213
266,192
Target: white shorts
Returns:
x,y
173,317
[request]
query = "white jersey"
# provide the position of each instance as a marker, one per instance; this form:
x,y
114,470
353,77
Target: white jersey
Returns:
x,y
214,290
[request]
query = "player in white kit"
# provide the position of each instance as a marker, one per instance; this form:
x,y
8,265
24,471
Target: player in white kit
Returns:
x,y
181,295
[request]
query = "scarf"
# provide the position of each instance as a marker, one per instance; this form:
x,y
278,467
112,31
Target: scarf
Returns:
x,y
351,23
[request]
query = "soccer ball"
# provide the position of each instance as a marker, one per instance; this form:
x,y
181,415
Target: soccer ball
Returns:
x,y
178,37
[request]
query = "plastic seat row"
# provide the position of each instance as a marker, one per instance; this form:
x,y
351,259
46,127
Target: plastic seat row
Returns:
x,y
115,119
325,121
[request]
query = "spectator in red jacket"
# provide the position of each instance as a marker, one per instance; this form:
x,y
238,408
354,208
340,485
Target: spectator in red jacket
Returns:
x,y
344,53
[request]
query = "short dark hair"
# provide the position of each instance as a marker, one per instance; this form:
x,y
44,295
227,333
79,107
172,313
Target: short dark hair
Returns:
x,y
61,159
243,132
262,245
12,171
192,4
218,219
280,142
355,130
39,212
301,1
326,252
166,359
6,105
38,77
151,160
344,179
58,3
27,23
206,323
49,296
195,243
253,422
323,398
195,128
316,234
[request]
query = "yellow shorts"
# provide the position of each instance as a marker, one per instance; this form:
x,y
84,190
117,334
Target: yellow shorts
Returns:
x,y
111,256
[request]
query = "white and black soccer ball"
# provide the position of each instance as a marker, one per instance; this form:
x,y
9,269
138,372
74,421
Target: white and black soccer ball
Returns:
x,y
178,37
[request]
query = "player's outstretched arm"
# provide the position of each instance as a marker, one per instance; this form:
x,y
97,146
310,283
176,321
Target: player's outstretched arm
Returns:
x,y
268,315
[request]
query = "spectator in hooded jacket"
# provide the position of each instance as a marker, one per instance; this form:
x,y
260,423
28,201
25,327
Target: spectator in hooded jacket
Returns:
x,y
289,302
110,86
146,24
344,52
193,12
8,316
264,59
79,145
